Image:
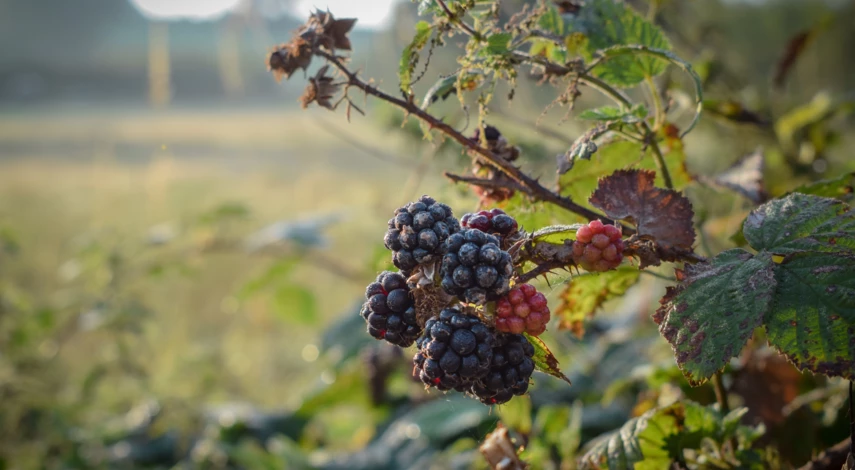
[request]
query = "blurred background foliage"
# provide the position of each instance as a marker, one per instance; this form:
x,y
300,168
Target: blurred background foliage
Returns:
x,y
180,272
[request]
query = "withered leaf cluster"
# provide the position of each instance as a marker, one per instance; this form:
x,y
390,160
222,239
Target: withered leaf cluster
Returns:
x,y
320,89
320,31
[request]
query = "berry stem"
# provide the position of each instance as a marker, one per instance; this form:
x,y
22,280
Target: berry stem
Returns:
x,y
720,393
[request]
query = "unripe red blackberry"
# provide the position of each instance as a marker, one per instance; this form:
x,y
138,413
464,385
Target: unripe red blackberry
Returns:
x,y
494,221
417,232
524,309
509,372
389,310
474,267
456,350
598,247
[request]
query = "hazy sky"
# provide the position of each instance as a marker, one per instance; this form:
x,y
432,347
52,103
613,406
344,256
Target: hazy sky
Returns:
x,y
370,13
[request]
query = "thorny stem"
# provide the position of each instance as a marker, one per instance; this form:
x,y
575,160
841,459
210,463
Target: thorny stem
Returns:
x,y
720,393
531,185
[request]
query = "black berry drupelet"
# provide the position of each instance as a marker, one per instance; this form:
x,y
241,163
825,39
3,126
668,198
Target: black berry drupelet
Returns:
x,y
494,221
509,373
389,310
417,232
456,350
474,267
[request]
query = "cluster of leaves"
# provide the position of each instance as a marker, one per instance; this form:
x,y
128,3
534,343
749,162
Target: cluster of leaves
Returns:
x,y
798,285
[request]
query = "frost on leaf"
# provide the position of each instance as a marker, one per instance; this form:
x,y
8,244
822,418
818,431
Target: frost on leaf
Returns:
x,y
799,223
812,321
710,315
544,360
663,215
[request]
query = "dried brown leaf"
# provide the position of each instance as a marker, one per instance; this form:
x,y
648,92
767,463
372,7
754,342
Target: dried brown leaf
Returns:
x,y
661,214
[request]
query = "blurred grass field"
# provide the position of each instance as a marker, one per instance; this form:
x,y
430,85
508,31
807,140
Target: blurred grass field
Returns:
x,y
105,179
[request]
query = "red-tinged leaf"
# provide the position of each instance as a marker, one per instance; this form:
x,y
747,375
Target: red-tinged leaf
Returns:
x,y
663,214
544,360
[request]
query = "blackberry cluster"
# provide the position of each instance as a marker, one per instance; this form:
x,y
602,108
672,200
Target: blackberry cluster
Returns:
x,y
456,350
524,309
417,232
389,310
598,247
493,221
509,372
474,267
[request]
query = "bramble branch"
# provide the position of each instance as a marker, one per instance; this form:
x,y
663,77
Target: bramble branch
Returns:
x,y
531,186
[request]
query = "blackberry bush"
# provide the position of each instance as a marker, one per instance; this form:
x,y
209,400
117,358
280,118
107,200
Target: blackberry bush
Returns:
x,y
475,268
389,310
456,350
417,232
524,309
509,373
789,273
598,247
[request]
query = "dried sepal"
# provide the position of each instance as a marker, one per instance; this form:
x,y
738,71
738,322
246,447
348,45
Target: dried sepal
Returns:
x,y
287,58
320,89
328,32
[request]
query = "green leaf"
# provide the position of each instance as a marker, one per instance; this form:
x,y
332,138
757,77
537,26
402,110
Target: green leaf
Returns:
x,y
799,223
497,44
660,436
530,215
516,414
544,360
710,315
583,178
556,233
551,21
410,55
610,113
428,6
608,23
586,293
812,321
838,188
295,303
624,51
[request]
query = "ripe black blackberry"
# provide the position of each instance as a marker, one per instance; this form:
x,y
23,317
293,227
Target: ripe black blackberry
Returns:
x,y
389,310
474,267
494,221
509,373
456,350
417,232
